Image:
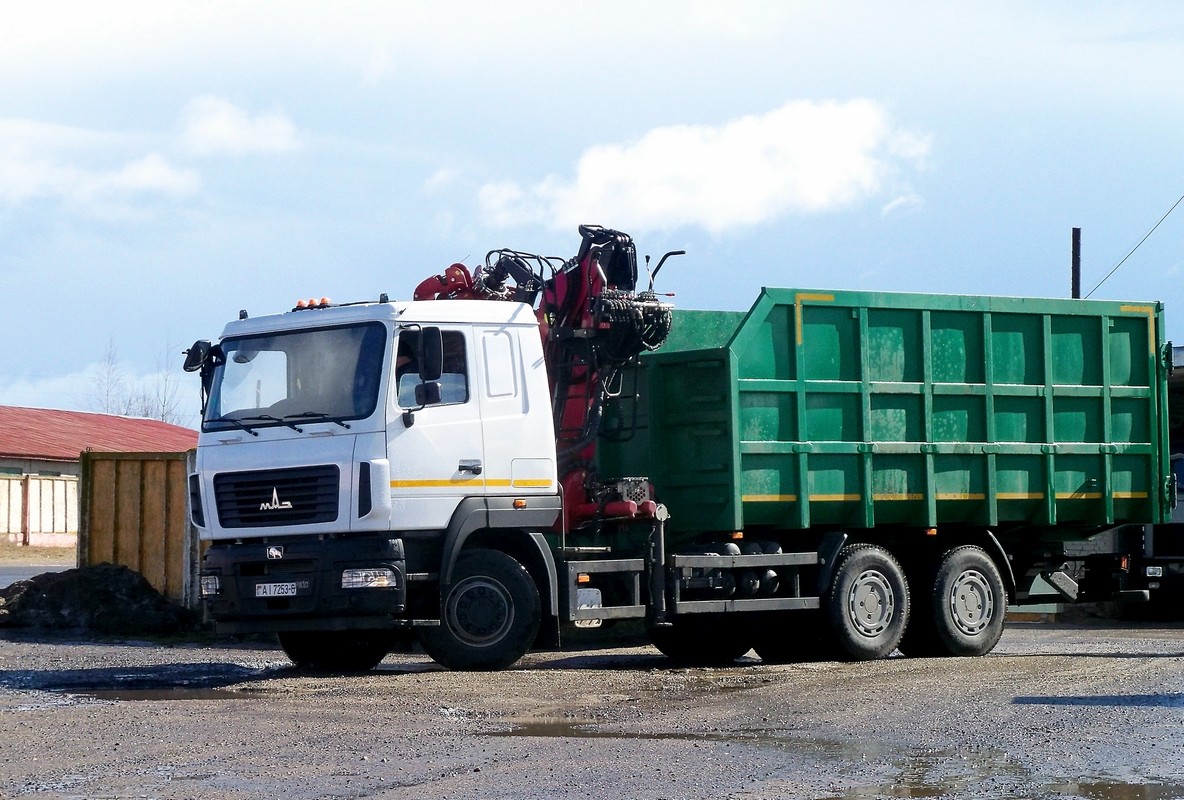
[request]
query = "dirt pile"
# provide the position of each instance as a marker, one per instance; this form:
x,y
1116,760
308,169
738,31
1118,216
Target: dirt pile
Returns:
x,y
103,598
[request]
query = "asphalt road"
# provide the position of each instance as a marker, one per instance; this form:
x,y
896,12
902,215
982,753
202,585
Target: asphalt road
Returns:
x,y
1080,712
11,573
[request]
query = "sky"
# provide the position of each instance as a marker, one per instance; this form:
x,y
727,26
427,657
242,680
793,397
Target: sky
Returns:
x,y
165,164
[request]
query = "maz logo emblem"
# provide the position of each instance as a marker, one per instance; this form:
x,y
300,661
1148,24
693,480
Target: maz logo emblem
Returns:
x,y
275,551
275,504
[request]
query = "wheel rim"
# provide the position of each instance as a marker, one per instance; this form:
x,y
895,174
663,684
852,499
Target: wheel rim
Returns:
x,y
480,611
972,602
871,603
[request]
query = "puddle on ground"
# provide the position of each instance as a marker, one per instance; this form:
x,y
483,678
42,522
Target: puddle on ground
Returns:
x,y
1169,700
586,729
577,728
173,693
1053,791
201,681
1120,791
978,774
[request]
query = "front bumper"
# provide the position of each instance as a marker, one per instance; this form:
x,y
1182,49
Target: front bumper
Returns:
x,y
295,584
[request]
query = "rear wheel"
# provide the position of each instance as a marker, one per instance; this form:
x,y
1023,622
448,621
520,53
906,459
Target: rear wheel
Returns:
x,y
489,616
867,606
964,611
334,651
703,641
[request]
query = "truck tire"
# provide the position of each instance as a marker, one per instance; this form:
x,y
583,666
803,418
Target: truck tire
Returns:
x,y
963,609
703,640
867,607
489,616
336,651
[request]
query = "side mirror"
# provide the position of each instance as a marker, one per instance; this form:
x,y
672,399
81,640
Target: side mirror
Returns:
x,y
431,355
196,356
205,357
427,393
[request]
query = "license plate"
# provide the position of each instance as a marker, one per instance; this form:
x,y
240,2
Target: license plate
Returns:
x,y
275,589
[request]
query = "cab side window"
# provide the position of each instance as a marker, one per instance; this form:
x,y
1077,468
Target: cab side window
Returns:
x,y
454,379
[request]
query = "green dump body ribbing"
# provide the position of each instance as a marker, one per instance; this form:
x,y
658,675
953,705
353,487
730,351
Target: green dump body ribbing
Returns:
x,y
860,409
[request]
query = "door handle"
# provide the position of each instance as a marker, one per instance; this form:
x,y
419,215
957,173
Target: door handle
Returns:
x,y
472,465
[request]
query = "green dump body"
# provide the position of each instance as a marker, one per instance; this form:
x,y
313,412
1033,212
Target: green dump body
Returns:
x,y
854,410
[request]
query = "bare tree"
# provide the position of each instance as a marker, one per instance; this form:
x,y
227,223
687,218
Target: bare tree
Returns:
x,y
156,396
108,391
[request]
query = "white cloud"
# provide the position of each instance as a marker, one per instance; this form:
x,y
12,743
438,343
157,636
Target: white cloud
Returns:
x,y
152,174
26,176
83,389
28,133
901,204
507,204
41,160
214,126
803,157
70,391
441,179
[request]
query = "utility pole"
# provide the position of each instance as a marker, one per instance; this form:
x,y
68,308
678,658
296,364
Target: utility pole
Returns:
x,y
1076,278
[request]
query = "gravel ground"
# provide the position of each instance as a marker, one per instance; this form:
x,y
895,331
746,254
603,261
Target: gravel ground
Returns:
x,y
13,554
21,563
1055,711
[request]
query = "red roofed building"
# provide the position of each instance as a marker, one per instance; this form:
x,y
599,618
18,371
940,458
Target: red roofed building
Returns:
x,y
43,440
40,450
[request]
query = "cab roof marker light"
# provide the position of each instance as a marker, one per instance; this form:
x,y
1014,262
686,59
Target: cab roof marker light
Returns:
x,y
312,302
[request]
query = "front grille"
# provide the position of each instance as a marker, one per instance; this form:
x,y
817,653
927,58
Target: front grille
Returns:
x,y
301,496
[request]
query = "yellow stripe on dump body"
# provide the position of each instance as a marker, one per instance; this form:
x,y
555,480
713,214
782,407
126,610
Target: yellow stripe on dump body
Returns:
x,y
1150,312
943,496
770,498
797,311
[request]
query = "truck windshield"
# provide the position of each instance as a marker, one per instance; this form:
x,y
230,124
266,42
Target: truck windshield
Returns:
x,y
299,376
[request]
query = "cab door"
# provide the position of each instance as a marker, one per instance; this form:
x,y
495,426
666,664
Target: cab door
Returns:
x,y
439,459
516,412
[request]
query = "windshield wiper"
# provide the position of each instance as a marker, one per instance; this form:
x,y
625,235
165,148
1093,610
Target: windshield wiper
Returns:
x,y
237,423
270,418
318,415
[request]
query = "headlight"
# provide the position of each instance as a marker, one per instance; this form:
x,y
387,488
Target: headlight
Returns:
x,y
379,578
211,585
1155,572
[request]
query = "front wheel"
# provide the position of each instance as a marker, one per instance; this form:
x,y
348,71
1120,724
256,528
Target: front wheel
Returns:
x,y
867,606
489,616
336,651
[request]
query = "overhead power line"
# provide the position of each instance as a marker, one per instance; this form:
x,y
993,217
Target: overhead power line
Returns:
x,y
1136,247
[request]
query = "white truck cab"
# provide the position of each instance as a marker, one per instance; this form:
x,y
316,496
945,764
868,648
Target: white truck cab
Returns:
x,y
334,466
321,392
